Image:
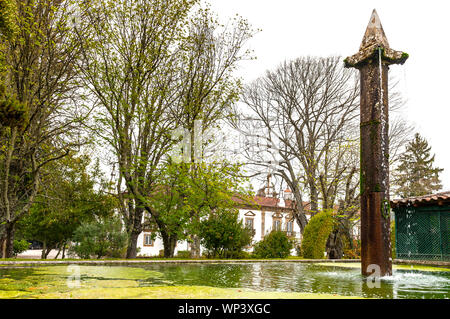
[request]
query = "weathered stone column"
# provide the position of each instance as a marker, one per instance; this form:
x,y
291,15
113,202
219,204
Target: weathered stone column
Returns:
x,y
372,61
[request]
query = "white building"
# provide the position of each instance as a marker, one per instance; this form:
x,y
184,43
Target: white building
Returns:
x,y
262,213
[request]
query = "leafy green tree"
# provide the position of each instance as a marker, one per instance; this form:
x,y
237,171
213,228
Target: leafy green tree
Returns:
x,y
152,66
184,193
11,110
8,12
208,87
416,174
129,68
101,238
20,246
316,234
274,245
67,198
39,107
223,233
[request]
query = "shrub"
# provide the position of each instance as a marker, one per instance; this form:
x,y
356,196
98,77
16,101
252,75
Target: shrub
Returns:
x,y
184,254
99,239
20,246
354,251
275,245
224,235
316,234
298,250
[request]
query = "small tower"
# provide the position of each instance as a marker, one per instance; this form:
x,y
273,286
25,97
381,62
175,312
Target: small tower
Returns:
x,y
372,61
268,190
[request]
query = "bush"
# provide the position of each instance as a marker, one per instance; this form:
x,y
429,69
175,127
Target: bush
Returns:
x,y
353,252
183,254
99,239
20,246
224,235
316,234
275,245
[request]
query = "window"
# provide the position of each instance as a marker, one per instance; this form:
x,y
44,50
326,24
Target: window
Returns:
x,y
249,223
277,224
148,241
290,226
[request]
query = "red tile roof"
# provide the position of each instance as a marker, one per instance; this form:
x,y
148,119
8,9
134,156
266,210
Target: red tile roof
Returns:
x,y
256,201
265,202
438,198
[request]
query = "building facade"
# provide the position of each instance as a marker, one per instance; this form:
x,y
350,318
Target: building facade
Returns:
x,y
262,213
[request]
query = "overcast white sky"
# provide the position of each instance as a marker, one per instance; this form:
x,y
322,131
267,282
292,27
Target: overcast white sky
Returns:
x,y
293,28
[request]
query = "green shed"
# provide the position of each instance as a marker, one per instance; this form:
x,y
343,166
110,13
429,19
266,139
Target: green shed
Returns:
x,y
422,227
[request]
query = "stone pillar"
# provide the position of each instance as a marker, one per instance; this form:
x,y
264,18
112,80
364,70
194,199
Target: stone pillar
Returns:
x,y
372,61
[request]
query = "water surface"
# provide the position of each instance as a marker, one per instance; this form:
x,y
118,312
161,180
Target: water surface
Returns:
x,y
26,282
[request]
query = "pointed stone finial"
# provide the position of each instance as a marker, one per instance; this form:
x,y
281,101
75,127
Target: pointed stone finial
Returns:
x,y
374,33
374,40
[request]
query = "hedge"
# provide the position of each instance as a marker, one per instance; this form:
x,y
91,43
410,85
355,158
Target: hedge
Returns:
x,y
316,234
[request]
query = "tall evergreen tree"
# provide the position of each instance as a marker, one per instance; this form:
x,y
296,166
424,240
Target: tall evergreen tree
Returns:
x,y
416,174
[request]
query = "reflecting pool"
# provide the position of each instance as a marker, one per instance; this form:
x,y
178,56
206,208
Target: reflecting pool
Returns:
x,y
274,277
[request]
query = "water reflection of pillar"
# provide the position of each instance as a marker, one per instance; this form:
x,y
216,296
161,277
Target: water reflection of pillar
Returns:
x,y
372,61
381,289
256,278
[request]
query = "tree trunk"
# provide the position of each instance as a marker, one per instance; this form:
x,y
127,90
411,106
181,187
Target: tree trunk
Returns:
x,y
132,245
64,251
59,251
3,247
195,247
135,231
44,248
7,241
10,230
314,198
169,243
335,247
47,251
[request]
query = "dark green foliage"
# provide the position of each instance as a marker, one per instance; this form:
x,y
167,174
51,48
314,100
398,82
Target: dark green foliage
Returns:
x,y
20,246
224,235
12,112
66,200
99,239
275,245
8,15
316,235
416,175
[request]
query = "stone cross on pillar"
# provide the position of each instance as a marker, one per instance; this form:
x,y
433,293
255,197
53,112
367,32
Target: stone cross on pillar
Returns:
x,y
372,61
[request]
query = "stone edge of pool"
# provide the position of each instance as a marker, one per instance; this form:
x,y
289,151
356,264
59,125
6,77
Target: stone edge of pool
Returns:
x,y
206,261
174,261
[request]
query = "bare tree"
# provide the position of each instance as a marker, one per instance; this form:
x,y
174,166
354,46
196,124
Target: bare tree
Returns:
x,y
305,108
302,125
